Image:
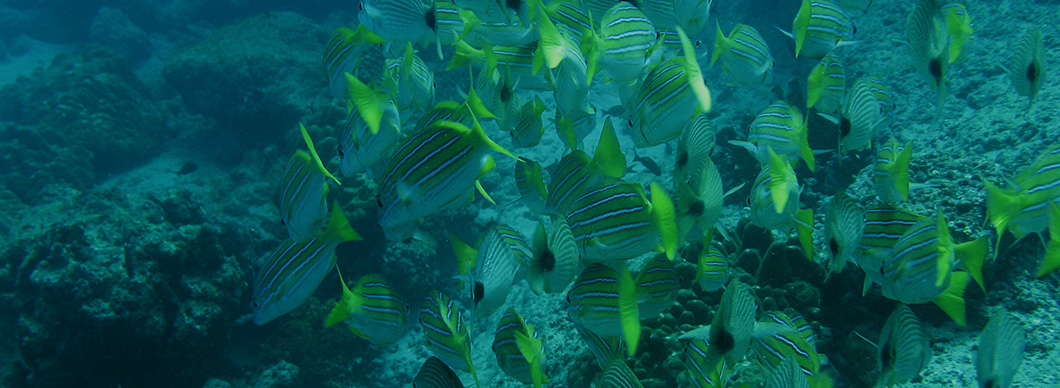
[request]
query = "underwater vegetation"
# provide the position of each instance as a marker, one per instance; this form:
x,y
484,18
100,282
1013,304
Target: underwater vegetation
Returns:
x,y
697,193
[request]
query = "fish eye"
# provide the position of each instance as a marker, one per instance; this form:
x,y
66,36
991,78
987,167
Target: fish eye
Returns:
x,y
254,304
342,154
379,203
360,6
630,122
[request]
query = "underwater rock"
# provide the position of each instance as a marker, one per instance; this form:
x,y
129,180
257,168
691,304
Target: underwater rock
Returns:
x,y
255,78
281,375
104,298
113,30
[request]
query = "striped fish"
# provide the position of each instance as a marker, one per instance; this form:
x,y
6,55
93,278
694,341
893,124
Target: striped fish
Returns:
x,y
373,310
699,200
411,20
618,375
616,222
570,18
782,127
500,32
527,128
905,347
304,192
827,84
696,353
577,173
802,325
883,93
530,182
408,81
744,55
694,148
712,269
668,46
499,94
567,69
520,59
573,128
774,197
787,375
884,225
774,349
844,224
668,97
447,332
1026,67
921,266
605,349
657,286
451,111
859,118
509,349
604,301
450,23
928,41
1000,353
369,135
1022,209
820,27
522,252
554,263
433,170
1051,262
293,271
496,262
959,26
690,15
728,336
343,55
626,36
435,374
891,172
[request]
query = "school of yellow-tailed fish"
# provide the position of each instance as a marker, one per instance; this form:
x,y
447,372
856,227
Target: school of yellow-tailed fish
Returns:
x,y
531,65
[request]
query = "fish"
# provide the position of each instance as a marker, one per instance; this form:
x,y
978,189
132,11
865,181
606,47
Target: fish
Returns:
x,y
304,192
435,374
928,41
373,310
891,172
290,274
567,69
648,163
694,148
820,27
696,352
670,95
774,195
1000,353
1026,66
699,200
604,349
411,20
500,32
802,325
657,286
712,269
1051,262
572,129
689,15
668,46
517,59
884,225
1022,209
883,93
859,118
527,129
616,222
959,26
922,264
782,128
786,344
827,84
744,54
408,81
571,19
728,337
604,301
446,331
618,375
370,133
499,94
844,223
530,181
623,43
497,260
343,55
451,23
433,170
577,173
787,375
555,261
518,349
904,348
